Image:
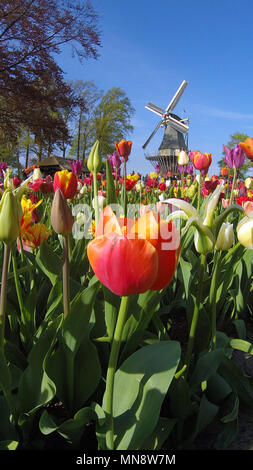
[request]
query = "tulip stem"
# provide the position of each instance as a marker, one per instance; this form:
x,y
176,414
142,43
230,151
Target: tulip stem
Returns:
x,y
231,252
95,183
65,276
233,187
113,360
212,296
26,326
195,316
4,293
199,192
124,189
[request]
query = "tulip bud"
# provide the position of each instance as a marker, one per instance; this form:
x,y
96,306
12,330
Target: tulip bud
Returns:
x,y
101,202
10,217
245,232
249,183
37,174
203,241
8,182
225,237
61,216
191,191
183,158
94,159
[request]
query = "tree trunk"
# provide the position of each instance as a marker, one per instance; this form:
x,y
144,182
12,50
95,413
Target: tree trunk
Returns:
x,y
40,152
27,149
79,134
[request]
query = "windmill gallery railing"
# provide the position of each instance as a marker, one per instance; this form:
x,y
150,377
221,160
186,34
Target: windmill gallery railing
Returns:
x,y
167,164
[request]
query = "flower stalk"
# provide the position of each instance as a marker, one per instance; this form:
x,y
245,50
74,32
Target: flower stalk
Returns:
x,y
113,360
195,316
4,293
65,276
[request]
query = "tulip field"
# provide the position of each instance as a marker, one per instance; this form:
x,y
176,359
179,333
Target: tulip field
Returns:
x,y
123,300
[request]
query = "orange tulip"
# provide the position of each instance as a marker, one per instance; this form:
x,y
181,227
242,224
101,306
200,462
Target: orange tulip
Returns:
x,y
123,147
66,181
247,147
224,171
121,243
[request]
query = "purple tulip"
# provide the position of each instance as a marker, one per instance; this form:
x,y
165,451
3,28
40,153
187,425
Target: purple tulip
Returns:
x,y
76,167
234,158
157,168
3,167
188,169
114,160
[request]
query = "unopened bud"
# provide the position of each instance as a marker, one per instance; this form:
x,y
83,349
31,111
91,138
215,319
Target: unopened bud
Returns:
x,y
94,159
10,217
225,237
61,216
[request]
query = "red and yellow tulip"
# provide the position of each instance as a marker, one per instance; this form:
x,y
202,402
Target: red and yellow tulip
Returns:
x,y
35,235
201,161
66,181
121,243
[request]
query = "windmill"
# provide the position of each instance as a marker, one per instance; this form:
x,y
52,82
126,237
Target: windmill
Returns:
x,y
173,140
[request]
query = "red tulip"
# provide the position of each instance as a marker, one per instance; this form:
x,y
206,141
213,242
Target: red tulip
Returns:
x,y
66,181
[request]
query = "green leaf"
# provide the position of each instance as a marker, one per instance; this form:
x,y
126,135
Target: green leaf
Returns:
x,y
205,367
7,428
141,308
230,408
240,328
217,389
8,445
5,376
36,388
87,373
184,274
242,345
180,403
71,429
49,262
207,412
111,197
159,435
237,380
112,305
226,436
75,326
140,386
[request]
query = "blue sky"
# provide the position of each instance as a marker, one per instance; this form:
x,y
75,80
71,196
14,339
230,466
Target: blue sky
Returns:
x,y
150,46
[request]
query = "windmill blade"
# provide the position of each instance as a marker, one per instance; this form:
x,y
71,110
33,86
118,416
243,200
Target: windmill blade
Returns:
x,y
177,125
177,96
155,109
152,135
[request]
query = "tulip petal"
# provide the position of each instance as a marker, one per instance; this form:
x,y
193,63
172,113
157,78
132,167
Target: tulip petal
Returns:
x,y
115,259
183,205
